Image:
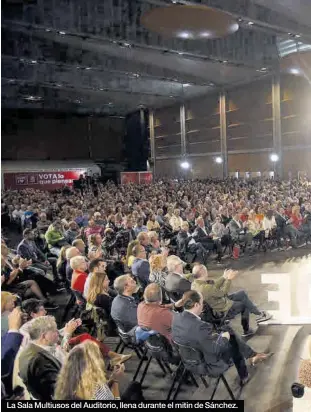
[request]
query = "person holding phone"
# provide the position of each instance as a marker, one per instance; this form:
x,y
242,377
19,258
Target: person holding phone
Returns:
x,y
83,376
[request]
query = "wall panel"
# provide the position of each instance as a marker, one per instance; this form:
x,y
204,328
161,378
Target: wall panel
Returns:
x,y
167,131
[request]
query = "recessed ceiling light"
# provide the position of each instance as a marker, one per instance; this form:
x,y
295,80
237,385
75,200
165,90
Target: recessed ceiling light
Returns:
x,y
263,69
211,84
47,30
289,34
62,33
250,23
225,61
180,53
87,68
171,96
127,44
298,35
136,74
101,89
34,61
186,84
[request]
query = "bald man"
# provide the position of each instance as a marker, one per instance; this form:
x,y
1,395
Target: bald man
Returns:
x,y
152,314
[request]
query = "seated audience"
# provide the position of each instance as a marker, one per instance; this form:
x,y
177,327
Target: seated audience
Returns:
x,y
154,243
73,232
92,229
43,223
96,265
124,305
140,266
129,254
175,220
95,247
218,350
153,315
28,250
158,270
61,263
40,362
80,245
140,227
188,245
79,275
70,253
216,295
55,238
84,377
176,282
153,224
99,294
7,305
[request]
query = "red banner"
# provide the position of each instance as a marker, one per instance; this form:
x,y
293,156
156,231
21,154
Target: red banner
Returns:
x,y
49,180
136,177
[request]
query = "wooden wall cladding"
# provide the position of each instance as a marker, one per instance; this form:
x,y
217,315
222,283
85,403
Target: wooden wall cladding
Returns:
x,y
249,117
203,125
295,111
167,131
297,160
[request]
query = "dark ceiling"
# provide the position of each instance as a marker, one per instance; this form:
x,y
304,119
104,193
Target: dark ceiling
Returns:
x,y
94,56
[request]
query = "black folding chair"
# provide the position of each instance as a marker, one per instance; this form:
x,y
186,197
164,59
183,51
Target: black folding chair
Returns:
x,y
193,362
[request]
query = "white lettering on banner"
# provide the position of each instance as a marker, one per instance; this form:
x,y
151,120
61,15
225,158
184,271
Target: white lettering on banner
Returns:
x,y
293,297
53,176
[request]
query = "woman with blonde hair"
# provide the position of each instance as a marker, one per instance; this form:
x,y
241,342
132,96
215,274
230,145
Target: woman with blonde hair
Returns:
x,y
296,218
129,256
7,305
83,376
62,262
158,271
99,293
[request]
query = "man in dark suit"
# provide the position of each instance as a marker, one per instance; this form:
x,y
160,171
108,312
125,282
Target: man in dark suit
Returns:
x,y
27,249
218,350
176,282
202,234
140,266
187,244
40,362
237,231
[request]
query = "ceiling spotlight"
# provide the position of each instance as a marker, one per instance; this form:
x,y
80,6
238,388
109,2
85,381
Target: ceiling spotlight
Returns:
x,y
87,68
34,61
263,69
180,53
205,34
250,23
62,33
186,84
127,44
48,30
294,71
171,97
101,89
240,19
274,157
185,165
211,84
298,35
218,160
136,74
289,34
33,98
225,61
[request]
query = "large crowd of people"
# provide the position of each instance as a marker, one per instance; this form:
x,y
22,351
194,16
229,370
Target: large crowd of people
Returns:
x,y
134,256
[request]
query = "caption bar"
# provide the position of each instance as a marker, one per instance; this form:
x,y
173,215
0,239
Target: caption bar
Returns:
x,y
215,405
